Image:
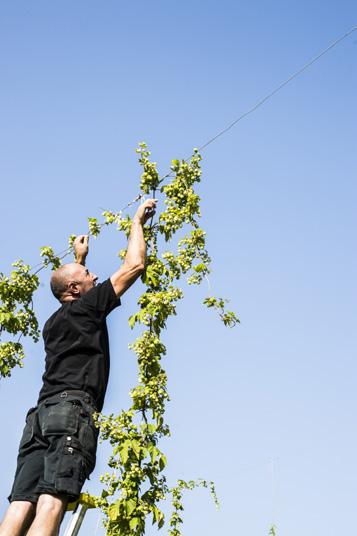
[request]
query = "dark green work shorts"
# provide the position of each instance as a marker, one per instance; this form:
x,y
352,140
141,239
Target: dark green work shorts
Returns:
x,y
57,450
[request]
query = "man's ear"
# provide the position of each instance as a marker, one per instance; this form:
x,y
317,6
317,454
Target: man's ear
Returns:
x,y
73,288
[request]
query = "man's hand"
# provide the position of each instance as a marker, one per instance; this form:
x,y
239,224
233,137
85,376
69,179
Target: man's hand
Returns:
x,y
145,211
80,246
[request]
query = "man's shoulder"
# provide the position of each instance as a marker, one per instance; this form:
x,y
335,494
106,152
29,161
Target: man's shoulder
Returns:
x,y
53,318
102,297
103,287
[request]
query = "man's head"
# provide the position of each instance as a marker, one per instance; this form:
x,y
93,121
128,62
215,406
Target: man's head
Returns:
x,y
71,281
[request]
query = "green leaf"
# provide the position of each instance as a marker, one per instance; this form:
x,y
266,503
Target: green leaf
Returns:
x,y
124,451
158,517
162,462
132,321
134,522
199,267
130,505
135,446
154,452
113,511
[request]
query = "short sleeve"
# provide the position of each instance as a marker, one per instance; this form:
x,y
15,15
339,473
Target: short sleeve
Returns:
x,y
101,298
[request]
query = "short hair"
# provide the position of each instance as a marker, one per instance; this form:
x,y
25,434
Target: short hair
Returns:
x,y
59,281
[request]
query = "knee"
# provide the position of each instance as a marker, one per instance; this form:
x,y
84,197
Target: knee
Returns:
x,y
18,517
51,504
22,508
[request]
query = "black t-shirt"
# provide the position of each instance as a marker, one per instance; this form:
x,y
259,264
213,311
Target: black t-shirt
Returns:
x,y
77,346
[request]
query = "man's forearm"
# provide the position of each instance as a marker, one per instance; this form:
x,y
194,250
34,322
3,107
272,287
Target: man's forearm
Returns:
x,y
136,252
134,262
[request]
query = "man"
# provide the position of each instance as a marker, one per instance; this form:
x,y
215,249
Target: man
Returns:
x,y
58,446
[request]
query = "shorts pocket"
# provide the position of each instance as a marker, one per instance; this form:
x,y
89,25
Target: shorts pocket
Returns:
x,y
71,476
88,436
60,418
89,439
27,434
73,469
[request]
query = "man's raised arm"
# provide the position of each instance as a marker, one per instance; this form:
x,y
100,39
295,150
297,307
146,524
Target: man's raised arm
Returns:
x,y
134,262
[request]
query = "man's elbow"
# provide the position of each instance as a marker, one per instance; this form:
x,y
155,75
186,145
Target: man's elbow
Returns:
x,y
126,276
135,268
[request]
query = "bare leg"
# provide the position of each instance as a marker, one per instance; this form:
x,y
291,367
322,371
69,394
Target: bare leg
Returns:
x,y
49,514
18,518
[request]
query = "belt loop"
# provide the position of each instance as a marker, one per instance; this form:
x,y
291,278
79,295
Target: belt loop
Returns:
x,y
64,394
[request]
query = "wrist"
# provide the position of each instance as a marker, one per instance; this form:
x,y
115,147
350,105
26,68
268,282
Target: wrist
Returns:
x,y
137,221
80,259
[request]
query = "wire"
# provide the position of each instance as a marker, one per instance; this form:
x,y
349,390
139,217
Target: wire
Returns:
x,y
231,125
267,97
62,254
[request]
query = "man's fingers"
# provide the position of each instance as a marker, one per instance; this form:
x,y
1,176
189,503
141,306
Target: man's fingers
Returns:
x,y
81,241
146,210
148,205
81,238
151,205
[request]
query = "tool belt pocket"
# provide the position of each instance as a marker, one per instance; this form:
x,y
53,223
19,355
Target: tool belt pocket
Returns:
x,y
60,418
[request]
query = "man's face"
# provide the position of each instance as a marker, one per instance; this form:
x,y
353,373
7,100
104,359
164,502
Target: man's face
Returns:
x,y
83,279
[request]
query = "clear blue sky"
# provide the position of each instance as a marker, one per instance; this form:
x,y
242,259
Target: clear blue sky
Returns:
x,y
81,84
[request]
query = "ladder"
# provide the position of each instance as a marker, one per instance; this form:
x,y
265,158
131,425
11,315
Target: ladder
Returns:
x,y
78,509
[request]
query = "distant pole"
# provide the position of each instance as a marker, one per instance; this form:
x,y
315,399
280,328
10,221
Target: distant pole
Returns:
x,y
273,462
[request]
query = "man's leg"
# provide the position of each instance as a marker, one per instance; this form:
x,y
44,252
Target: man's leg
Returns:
x,y
49,514
18,518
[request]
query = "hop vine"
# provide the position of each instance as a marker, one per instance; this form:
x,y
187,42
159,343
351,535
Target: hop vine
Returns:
x,y
138,485
17,317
